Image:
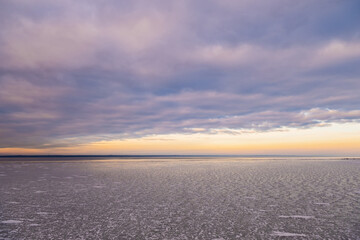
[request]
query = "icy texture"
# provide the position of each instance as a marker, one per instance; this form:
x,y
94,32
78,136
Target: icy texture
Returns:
x,y
180,199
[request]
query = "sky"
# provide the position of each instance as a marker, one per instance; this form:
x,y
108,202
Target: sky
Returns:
x,y
180,77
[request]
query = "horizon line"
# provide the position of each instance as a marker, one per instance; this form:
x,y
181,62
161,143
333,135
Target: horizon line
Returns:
x,y
164,155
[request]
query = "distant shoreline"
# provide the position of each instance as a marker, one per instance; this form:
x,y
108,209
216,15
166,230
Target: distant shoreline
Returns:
x,y
50,158
154,156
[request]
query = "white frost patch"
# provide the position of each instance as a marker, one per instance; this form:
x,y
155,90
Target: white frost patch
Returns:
x,y
42,213
322,203
13,202
250,197
297,216
11,221
96,186
40,191
287,234
34,225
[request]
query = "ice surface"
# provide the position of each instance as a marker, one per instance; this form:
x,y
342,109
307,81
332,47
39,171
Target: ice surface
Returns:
x,y
180,199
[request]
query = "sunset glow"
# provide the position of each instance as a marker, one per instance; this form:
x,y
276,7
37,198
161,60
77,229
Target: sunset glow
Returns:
x,y
179,77
337,140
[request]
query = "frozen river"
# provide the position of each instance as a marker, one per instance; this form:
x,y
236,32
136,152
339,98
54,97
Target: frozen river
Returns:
x,y
180,198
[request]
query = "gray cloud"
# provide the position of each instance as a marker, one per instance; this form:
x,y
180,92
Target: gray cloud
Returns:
x,y
76,72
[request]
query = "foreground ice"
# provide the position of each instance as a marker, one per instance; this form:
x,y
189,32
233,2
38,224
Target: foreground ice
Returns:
x,y
180,199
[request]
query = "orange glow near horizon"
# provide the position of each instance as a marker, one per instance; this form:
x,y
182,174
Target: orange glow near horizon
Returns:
x,y
338,139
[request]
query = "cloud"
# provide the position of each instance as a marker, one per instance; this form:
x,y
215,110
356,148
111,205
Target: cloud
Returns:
x,y
295,58
74,43
75,72
336,52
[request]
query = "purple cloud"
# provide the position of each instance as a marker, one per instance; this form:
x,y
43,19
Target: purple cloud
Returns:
x,y
74,72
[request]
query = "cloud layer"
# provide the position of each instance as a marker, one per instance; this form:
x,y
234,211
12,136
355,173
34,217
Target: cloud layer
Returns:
x,y
83,71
